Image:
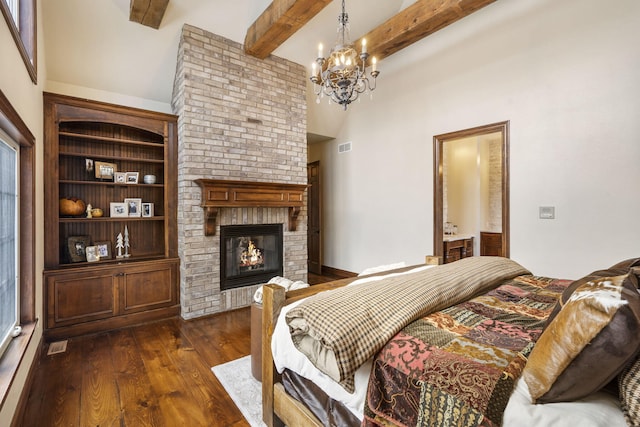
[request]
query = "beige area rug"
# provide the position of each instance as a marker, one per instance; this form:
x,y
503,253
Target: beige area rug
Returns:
x,y
246,391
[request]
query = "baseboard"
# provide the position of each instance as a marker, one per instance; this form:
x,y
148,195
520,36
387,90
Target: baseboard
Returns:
x,y
343,274
21,408
110,323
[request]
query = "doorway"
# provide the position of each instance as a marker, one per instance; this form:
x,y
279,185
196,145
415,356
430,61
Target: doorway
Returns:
x,y
314,235
476,200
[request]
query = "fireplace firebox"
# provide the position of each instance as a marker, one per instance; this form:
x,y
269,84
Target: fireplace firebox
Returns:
x,y
249,254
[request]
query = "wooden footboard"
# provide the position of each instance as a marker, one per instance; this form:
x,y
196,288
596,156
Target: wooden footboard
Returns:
x,y
277,405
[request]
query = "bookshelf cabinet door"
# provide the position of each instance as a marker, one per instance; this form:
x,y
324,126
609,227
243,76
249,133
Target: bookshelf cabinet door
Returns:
x,y
148,287
80,297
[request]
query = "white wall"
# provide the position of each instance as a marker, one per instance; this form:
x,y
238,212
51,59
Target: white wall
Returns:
x,y
566,76
26,99
104,96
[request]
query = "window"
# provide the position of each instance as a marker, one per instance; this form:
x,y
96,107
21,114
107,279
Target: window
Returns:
x,y
12,126
15,11
20,16
9,252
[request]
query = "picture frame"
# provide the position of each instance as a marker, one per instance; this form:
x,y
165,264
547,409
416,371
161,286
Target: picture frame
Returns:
x,y
118,210
147,210
134,207
120,177
77,248
104,170
104,249
92,253
131,177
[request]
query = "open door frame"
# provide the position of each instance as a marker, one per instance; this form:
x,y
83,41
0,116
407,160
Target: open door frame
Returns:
x,y
314,214
438,145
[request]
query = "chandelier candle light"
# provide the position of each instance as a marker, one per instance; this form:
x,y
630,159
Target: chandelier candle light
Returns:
x,y
341,77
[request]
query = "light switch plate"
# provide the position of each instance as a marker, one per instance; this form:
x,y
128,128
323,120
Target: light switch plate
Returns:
x,y
547,212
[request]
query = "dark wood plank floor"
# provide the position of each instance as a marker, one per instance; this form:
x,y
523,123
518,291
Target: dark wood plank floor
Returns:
x,y
156,374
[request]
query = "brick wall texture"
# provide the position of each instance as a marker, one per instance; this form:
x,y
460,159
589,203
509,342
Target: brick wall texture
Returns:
x,y
240,118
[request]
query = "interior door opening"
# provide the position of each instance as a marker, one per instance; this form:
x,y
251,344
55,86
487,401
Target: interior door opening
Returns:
x,y
471,192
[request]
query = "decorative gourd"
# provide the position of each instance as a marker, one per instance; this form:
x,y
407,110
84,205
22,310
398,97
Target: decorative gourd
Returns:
x,y
72,206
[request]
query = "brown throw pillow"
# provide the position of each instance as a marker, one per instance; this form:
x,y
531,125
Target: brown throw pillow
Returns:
x,y
618,269
629,384
590,340
627,264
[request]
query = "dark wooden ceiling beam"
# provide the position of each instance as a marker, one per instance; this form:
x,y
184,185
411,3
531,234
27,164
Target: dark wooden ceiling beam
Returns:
x,y
417,21
280,20
148,12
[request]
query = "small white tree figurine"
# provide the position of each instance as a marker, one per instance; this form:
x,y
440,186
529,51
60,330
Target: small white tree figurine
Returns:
x,y
126,242
119,246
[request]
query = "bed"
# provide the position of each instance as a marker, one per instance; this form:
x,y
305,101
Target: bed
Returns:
x,y
470,355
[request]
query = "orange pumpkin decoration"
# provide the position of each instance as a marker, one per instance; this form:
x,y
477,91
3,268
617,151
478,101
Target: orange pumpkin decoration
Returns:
x,y
72,206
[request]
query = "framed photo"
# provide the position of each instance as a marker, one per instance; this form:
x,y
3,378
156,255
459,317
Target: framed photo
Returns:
x,y
92,253
134,207
104,250
120,177
131,177
118,210
77,248
147,209
105,170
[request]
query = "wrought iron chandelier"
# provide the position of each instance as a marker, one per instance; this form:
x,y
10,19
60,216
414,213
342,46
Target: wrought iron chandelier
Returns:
x,y
342,77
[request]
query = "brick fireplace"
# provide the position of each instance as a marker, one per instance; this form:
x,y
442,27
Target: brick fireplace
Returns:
x,y
240,119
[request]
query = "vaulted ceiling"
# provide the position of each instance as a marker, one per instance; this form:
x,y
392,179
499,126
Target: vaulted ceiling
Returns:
x,y
102,46
283,18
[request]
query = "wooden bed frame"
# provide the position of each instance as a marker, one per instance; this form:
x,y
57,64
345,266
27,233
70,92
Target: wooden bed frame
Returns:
x,y
279,408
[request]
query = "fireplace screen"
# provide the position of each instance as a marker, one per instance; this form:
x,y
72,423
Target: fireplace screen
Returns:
x,y
250,254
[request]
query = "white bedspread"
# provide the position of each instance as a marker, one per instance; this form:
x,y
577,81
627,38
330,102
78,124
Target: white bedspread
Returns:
x,y
598,410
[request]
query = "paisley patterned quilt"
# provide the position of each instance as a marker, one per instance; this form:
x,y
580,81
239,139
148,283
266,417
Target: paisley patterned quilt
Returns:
x,y
458,366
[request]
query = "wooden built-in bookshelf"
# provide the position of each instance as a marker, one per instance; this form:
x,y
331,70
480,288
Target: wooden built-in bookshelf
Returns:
x,y
83,295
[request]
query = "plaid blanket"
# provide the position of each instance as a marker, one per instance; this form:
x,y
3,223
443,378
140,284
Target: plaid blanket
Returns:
x,y
339,330
457,367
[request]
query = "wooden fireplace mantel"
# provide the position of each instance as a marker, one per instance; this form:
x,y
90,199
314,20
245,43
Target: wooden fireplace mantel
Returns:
x,y
217,193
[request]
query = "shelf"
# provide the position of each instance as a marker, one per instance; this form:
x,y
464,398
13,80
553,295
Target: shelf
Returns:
x,y
104,262
112,140
112,219
219,193
108,183
110,158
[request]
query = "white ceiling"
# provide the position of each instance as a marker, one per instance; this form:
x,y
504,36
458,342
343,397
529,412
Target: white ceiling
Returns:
x,y
92,43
